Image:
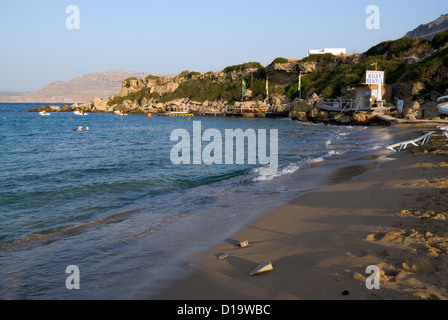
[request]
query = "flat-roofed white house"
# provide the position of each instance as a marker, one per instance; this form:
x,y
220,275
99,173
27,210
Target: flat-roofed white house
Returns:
x,y
334,51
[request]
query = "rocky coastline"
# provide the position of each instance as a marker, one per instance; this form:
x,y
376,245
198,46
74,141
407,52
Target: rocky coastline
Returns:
x,y
416,73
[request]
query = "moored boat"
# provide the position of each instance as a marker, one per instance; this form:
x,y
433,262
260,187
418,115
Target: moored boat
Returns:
x,y
443,110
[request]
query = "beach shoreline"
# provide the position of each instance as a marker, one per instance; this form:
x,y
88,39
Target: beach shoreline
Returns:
x,y
321,249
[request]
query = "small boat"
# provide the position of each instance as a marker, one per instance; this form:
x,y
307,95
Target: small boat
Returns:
x,y
44,113
119,113
79,113
443,111
441,99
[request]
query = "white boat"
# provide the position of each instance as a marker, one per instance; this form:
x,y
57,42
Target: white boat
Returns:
x,y
44,113
79,113
443,110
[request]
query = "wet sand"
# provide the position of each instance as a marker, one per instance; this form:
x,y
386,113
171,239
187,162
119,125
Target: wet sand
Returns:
x,y
393,217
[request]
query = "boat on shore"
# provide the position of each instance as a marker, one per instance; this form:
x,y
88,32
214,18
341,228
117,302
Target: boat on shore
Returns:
x,y
443,111
176,114
442,99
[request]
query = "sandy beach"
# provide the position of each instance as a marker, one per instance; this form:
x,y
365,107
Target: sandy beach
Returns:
x,y
393,217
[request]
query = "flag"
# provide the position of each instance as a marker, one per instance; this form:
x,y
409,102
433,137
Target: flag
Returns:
x,y
244,88
267,86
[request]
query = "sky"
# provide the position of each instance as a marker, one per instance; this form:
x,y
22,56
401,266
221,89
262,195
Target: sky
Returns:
x,y
169,36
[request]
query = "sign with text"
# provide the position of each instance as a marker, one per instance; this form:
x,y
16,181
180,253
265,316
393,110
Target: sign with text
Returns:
x,y
374,77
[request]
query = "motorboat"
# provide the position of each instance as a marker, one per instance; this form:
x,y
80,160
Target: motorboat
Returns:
x,y
80,113
443,110
44,113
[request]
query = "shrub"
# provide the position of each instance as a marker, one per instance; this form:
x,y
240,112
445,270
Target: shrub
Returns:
x,y
328,80
183,73
152,77
188,75
204,89
439,40
242,67
154,95
432,71
280,60
321,58
396,48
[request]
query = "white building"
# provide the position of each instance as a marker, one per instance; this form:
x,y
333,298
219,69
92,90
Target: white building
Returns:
x,y
334,51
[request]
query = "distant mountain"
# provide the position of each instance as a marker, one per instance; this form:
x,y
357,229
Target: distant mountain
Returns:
x,y
429,30
10,93
82,89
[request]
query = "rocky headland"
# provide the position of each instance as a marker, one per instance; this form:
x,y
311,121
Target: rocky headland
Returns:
x,y
416,70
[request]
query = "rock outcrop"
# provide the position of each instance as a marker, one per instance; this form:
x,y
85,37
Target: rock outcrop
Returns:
x,y
429,30
282,73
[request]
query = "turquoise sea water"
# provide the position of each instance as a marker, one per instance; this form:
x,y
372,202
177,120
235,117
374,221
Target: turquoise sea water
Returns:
x,y
111,202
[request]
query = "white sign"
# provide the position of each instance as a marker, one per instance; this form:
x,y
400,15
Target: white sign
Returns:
x,y
375,77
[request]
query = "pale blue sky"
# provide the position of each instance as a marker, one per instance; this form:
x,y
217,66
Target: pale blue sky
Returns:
x,y
164,37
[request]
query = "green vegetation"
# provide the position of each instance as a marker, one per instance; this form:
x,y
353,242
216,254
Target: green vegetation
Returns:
x,y
188,75
242,67
320,58
439,40
204,89
330,78
431,71
399,48
152,77
183,73
280,60
134,96
258,87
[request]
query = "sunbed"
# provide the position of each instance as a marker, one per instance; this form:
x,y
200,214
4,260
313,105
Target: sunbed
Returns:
x,y
402,145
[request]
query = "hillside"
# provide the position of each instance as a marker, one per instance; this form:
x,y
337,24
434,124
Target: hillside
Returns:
x,y
417,70
429,30
81,89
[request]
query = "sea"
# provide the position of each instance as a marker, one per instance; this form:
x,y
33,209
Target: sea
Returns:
x,y
106,214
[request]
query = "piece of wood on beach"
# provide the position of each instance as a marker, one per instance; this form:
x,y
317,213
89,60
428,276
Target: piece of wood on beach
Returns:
x,y
242,244
262,267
